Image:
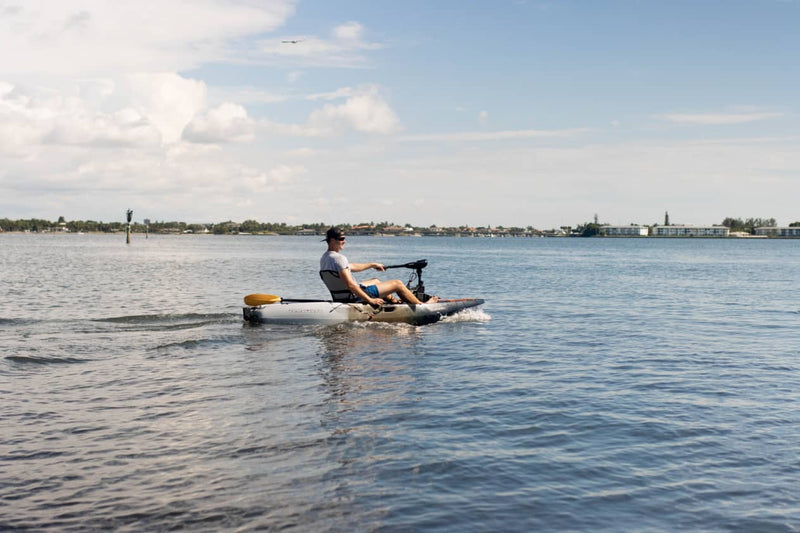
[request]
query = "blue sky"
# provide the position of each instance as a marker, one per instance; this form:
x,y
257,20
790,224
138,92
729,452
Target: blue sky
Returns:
x,y
513,113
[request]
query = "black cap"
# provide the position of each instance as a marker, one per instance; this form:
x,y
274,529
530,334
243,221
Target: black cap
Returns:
x,y
333,233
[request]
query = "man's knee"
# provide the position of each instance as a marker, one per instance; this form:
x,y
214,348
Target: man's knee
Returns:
x,y
397,284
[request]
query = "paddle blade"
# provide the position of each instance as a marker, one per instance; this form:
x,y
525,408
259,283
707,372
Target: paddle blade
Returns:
x,y
261,299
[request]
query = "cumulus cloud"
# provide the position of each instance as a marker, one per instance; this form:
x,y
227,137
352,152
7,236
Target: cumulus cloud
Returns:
x,y
168,100
227,122
92,105
89,36
365,112
126,127
141,110
33,117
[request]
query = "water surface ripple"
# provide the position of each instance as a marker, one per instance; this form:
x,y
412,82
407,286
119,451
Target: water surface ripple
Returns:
x,y
607,385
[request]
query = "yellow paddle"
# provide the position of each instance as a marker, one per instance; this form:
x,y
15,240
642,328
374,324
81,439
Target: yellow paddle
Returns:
x,y
254,300
261,299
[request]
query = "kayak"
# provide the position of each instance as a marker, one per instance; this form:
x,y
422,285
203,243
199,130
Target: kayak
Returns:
x,y
272,309
330,312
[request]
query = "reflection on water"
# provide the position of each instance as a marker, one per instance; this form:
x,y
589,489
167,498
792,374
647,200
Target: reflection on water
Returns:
x,y
364,368
364,363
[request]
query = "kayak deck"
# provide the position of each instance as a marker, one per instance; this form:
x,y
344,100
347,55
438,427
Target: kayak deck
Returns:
x,y
328,312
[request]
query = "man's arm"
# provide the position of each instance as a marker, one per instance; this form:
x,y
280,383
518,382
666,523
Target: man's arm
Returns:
x,y
358,267
351,283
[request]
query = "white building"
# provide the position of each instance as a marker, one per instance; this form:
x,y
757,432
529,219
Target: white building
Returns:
x,y
624,231
690,231
789,231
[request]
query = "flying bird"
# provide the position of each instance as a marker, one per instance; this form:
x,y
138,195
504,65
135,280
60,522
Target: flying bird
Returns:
x,y
293,41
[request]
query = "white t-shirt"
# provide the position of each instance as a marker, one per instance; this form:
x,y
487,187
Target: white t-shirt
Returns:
x,y
333,261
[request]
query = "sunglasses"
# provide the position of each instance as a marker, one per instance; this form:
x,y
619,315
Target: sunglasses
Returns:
x,y
342,238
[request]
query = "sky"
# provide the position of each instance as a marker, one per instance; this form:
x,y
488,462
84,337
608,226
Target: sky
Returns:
x,y
449,113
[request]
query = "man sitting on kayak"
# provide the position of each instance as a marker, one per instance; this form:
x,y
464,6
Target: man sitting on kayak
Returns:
x,y
336,272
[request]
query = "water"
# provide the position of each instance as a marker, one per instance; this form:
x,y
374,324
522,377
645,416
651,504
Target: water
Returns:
x,y
606,385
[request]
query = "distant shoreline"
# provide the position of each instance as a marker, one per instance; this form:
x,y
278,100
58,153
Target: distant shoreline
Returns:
x,y
408,236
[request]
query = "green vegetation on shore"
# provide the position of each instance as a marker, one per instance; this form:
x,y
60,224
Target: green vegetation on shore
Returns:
x,y
247,227
254,227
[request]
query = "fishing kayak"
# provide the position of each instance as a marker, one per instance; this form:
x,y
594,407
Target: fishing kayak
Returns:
x,y
272,309
330,312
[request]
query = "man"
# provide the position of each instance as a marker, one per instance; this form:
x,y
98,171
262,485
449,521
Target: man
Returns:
x,y
336,272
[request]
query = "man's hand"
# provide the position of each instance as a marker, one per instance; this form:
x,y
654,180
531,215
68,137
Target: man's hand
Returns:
x,y
375,302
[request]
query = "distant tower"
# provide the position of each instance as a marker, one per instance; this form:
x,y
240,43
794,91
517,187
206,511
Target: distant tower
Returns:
x,y
129,215
666,218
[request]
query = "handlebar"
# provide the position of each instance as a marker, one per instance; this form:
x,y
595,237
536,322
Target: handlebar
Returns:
x,y
416,265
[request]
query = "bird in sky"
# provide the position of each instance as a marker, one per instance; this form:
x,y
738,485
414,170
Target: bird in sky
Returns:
x,y
293,41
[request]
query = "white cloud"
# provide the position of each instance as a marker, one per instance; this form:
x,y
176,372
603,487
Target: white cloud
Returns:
x,y
168,100
471,136
33,118
245,95
343,92
91,36
366,112
126,127
226,123
698,182
301,153
714,119
20,121
344,48
277,176
350,31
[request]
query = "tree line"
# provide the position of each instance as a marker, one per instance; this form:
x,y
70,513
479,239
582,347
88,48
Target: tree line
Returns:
x,y
587,229
221,228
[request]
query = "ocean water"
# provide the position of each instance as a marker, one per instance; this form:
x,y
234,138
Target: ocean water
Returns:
x,y
606,385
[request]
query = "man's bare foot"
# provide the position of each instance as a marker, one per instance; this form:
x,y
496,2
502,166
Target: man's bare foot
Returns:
x,y
432,300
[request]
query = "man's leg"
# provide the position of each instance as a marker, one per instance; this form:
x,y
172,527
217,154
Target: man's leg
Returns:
x,y
395,285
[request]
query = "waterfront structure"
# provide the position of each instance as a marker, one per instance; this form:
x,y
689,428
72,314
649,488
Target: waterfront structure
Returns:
x,y
625,231
689,231
788,231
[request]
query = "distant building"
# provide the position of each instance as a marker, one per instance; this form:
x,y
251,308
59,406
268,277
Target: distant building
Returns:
x,y
396,230
625,231
689,231
790,231
364,229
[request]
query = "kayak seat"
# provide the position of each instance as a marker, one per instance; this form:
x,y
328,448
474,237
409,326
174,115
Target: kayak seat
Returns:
x,y
337,287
